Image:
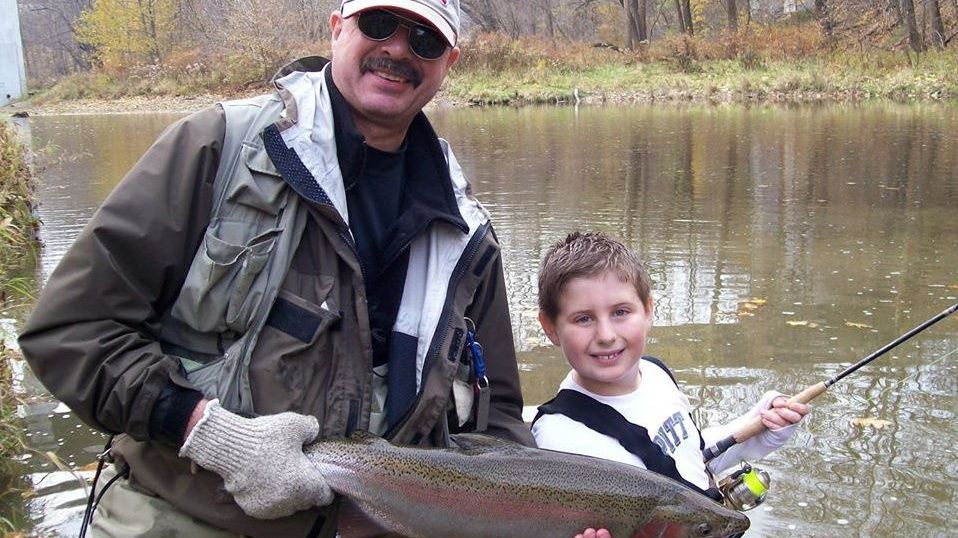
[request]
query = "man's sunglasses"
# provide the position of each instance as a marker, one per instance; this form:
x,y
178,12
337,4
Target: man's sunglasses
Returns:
x,y
380,25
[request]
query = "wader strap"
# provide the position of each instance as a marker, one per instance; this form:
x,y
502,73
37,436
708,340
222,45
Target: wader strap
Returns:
x,y
604,419
325,524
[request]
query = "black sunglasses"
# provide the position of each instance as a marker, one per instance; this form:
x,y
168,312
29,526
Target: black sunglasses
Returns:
x,y
380,25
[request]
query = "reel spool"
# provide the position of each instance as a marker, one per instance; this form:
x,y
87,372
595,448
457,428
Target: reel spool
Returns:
x,y
746,488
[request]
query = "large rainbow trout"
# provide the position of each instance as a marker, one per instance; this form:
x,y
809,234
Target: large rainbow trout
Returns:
x,y
496,489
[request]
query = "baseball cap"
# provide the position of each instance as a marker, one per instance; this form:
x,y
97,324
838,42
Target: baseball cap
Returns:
x,y
442,14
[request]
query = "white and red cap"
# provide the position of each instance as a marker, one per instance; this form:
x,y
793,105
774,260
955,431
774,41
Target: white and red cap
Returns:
x,y
442,14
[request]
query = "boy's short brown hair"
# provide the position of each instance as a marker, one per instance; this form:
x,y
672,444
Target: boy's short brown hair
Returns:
x,y
583,255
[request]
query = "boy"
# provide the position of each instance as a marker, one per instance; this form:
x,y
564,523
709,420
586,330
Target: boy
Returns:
x,y
595,303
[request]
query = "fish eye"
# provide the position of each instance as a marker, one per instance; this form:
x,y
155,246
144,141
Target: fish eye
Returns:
x,y
703,529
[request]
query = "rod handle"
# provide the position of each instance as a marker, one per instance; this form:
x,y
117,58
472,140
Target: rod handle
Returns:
x,y
755,426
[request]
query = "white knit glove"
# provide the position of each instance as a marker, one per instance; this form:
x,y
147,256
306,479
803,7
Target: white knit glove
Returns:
x,y
261,460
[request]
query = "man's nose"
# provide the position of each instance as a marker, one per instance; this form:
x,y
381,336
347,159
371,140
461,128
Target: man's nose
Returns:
x,y
397,44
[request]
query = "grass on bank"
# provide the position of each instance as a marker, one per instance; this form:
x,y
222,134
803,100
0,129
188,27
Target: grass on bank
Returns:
x,y
768,63
785,66
17,239
18,225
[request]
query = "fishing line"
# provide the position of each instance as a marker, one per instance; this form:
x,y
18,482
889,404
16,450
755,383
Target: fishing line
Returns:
x,y
932,363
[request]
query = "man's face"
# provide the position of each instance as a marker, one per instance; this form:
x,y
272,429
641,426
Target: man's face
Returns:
x,y
383,81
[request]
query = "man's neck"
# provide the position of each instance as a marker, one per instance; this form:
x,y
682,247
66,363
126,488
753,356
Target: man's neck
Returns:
x,y
379,137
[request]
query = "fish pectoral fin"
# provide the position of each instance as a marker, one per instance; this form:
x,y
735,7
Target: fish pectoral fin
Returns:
x,y
352,522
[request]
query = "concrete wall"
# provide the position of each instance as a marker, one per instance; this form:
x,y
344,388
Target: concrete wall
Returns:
x,y
13,78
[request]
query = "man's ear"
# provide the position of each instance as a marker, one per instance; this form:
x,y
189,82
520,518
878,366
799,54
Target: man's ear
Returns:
x,y
453,58
335,23
548,327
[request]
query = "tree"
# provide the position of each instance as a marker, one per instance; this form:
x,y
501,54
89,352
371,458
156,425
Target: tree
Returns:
x,y
124,32
731,10
937,26
822,15
684,10
636,22
641,8
549,15
49,41
908,14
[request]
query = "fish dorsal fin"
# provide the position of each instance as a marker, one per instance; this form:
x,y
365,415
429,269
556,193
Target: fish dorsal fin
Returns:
x,y
478,443
366,438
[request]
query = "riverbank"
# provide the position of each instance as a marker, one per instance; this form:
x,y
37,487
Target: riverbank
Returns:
x,y
17,239
791,65
715,82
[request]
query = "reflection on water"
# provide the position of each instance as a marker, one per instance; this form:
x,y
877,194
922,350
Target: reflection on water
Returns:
x,y
784,244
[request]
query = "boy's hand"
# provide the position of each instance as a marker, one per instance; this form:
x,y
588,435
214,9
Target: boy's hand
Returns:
x,y
782,414
592,533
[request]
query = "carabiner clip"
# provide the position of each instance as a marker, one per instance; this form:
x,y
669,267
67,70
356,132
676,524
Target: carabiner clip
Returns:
x,y
480,385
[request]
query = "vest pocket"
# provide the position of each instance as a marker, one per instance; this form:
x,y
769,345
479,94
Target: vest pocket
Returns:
x,y
292,357
220,292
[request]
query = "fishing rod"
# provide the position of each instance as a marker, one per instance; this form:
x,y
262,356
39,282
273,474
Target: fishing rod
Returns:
x,y
755,426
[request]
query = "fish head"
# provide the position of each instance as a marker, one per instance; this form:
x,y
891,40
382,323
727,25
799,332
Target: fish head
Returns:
x,y
701,519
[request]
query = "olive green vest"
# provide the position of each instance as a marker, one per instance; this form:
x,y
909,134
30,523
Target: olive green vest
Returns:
x,y
256,224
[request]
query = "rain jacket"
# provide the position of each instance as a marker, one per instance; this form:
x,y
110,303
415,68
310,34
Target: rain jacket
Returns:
x,y
96,336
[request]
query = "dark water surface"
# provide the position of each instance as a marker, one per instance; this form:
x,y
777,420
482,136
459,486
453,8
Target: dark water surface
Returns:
x,y
784,244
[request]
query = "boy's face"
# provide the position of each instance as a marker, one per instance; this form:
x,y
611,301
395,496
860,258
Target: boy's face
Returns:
x,y
601,327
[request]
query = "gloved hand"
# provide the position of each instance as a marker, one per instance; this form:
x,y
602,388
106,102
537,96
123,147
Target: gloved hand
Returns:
x,y
261,460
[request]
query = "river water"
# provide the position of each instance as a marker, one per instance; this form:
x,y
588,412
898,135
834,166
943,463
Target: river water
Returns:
x,y
784,244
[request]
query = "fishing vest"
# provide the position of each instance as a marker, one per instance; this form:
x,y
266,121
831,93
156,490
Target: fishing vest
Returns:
x,y
256,225
240,265
605,419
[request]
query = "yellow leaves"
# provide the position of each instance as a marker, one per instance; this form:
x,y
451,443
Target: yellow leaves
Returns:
x,y
747,307
802,323
89,468
871,422
125,32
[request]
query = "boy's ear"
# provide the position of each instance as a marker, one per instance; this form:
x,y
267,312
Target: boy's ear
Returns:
x,y
548,327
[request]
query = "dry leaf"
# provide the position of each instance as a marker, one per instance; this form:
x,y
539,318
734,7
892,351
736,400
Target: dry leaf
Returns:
x,y
857,325
866,422
748,306
90,467
797,323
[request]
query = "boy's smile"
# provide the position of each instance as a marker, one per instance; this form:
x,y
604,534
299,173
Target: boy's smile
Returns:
x,y
601,327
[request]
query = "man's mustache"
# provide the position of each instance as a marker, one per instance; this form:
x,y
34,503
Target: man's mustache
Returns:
x,y
393,67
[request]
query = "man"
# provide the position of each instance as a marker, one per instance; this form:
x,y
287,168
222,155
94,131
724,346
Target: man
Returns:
x,y
282,269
